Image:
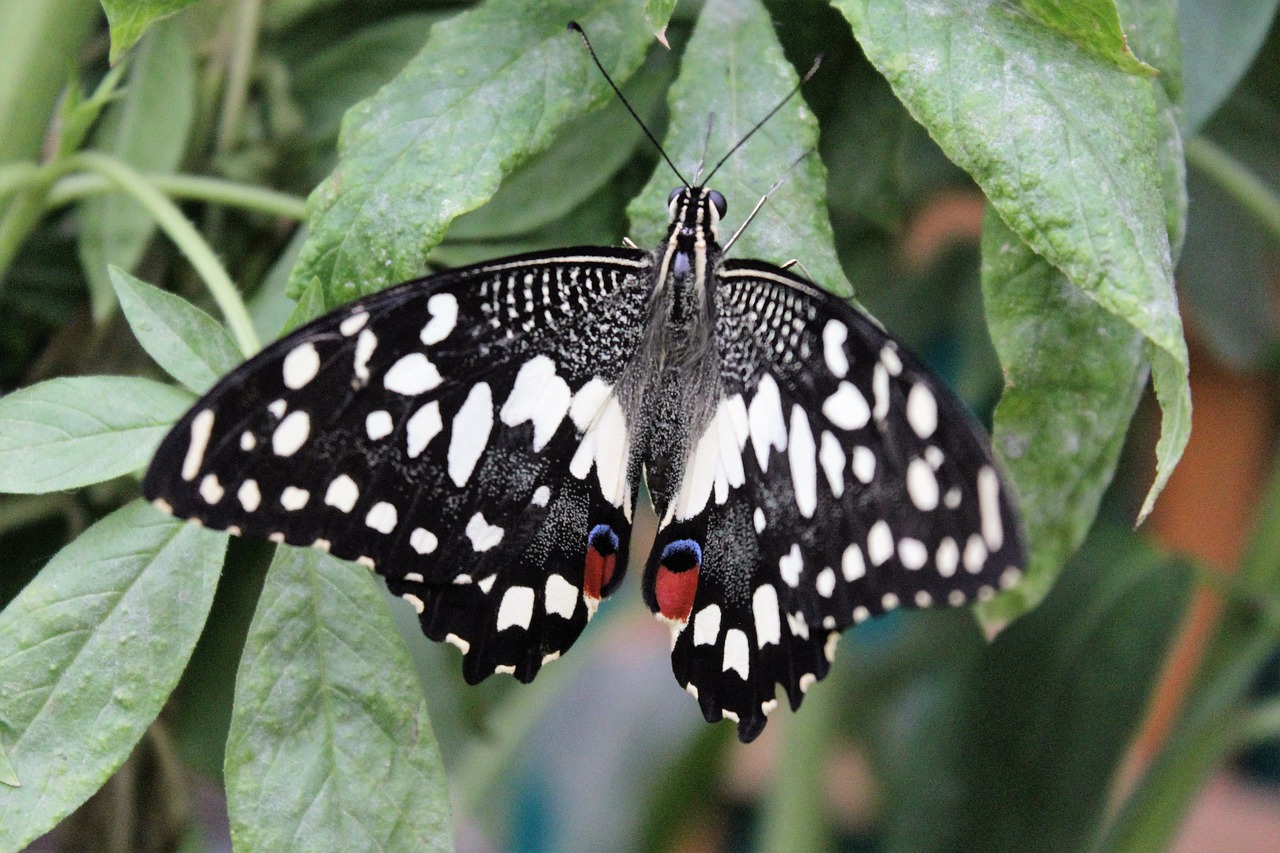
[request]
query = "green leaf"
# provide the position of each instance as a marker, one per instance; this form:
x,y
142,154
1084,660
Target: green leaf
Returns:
x,y
1073,376
191,346
71,432
1025,743
657,14
89,652
1066,147
311,304
489,90
1092,24
733,72
1219,39
7,776
147,127
130,19
330,745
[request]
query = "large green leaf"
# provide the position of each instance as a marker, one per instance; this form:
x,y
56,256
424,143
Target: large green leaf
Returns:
x,y
190,345
489,90
1068,149
1019,749
733,73
89,652
1074,375
147,128
1220,39
67,433
330,745
130,19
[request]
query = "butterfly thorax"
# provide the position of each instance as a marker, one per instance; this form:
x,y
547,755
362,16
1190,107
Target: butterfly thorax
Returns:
x,y
678,360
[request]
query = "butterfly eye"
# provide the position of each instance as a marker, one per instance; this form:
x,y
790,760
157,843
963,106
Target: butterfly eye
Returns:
x,y
675,194
720,204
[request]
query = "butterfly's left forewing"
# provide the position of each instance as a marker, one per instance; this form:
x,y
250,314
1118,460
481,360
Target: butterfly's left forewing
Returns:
x,y
458,434
838,479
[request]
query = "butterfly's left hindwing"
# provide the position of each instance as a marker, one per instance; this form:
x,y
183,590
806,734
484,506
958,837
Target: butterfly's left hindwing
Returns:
x,y
838,479
458,434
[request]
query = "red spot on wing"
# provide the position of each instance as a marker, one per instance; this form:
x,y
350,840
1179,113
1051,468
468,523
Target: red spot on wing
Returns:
x,y
675,591
599,572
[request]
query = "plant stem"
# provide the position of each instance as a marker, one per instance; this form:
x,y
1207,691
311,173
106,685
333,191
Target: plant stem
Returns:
x,y
194,187
14,176
24,213
248,14
184,235
1252,193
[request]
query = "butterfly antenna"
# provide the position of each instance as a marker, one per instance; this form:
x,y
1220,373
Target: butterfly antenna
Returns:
x,y
577,28
706,146
817,61
763,199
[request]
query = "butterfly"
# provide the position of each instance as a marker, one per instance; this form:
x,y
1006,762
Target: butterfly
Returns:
x,y
478,437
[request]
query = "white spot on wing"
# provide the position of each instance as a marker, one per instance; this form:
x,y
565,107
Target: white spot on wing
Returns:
x,y
922,410
378,424
922,485
291,434
424,425
758,519
249,495
790,565
248,441
471,427
482,534
912,553
764,607
278,408
764,416
540,396
561,596
353,324
947,557
879,543
801,453
737,654
342,493
847,408
417,603
834,334
541,496
606,445
889,358
989,507
444,316
880,390
832,458
516,608
300,366
210,489
864,464
365,345
382,517
975,554
201,429
852,565
423,541
455,640
293,498
411,375
798,626
588,403
825,582
706,625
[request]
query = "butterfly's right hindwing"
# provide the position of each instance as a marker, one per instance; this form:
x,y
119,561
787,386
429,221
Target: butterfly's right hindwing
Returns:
x,y
458,434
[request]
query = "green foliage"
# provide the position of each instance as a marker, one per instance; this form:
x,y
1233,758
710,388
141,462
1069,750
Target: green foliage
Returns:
x,y
330,740
466,135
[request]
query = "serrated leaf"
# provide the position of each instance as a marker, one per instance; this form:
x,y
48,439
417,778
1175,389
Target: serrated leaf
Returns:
x,y
1066,147
733,73
146,127
489,90
130,19
657,13
330,745
71,432
1092,24
191,346
90,650
1073,376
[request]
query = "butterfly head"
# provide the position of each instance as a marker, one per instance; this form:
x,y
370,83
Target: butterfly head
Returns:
x,y
694,211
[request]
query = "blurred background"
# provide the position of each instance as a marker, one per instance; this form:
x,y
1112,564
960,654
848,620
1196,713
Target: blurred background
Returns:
x,y
1138,677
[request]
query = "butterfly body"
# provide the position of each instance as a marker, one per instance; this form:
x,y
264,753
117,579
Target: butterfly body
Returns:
x,y
478,437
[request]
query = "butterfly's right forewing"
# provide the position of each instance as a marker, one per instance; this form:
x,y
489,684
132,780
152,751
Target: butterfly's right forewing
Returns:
x,y
458,434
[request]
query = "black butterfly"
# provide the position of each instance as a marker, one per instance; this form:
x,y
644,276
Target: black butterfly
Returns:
x,y
478,437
